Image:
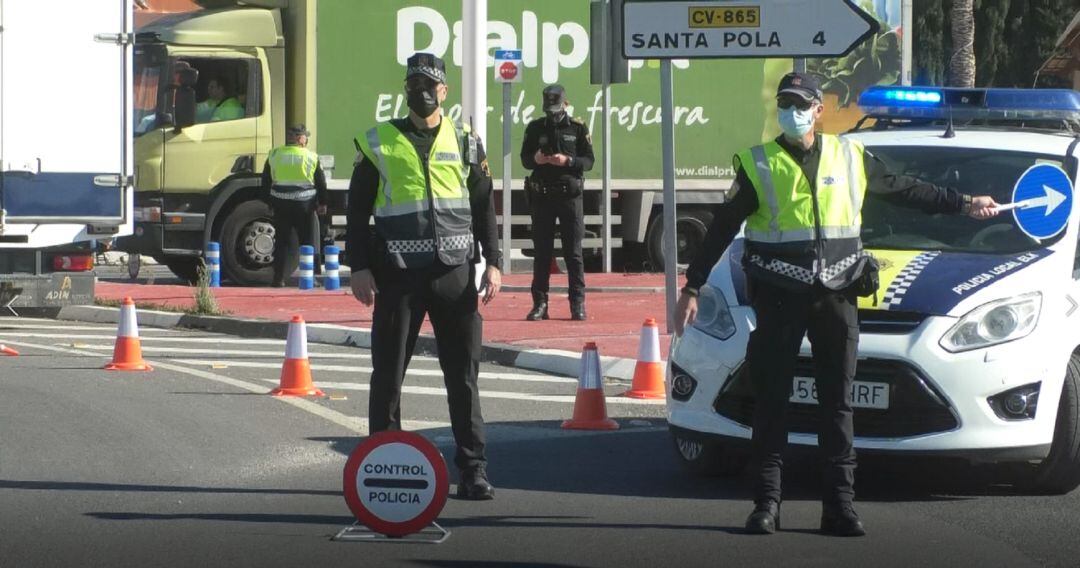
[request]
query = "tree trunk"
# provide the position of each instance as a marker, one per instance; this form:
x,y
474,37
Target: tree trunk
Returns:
x,y
962,62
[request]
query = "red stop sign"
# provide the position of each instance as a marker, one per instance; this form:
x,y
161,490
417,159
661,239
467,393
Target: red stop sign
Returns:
x,y
508,71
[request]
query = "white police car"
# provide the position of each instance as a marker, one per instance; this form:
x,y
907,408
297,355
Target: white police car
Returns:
x,y
973,347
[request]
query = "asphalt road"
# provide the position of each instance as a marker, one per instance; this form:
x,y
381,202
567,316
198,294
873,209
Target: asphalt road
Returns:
x,y
194,465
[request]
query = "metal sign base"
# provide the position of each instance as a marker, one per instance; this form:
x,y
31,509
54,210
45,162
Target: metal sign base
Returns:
x,y
433,534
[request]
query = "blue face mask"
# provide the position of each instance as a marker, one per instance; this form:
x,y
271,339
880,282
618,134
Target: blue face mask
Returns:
x,y
796,123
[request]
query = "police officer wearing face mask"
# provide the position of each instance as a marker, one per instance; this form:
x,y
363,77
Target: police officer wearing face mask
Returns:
x,y
558,150
426,181
800,197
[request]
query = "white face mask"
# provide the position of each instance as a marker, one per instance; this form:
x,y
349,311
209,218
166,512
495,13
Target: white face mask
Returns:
x,y
796,123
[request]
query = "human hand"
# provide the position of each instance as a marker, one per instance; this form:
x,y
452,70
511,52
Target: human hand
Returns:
x,y
983,207
561,160
490,283
363,286
685,312
540,157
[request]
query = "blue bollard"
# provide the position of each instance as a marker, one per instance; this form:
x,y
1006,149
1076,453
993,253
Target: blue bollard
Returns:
x,y
331,278
307,267
213,263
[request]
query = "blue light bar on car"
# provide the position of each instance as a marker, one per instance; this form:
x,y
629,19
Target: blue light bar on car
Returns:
x,y
942,103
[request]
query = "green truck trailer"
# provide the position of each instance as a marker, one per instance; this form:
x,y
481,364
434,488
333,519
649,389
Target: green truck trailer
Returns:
x,y
337,65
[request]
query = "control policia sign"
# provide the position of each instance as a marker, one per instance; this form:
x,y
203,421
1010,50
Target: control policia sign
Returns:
x,y
657,29
396,483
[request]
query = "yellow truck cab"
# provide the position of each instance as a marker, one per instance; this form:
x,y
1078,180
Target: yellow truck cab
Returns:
x,y
214,90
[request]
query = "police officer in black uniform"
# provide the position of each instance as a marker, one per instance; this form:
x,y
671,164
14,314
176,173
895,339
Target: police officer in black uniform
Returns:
x,y
422,259
806,283
558,150
297,188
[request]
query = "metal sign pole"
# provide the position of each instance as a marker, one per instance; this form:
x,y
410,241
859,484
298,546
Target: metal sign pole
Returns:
x,y
667,129
905,46
605,206
507,244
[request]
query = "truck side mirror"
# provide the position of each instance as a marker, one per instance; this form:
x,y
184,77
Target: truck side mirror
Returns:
x,y
184,97
183,108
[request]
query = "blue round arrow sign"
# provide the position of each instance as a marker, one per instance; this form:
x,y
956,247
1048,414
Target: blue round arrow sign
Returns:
x,y
1043,197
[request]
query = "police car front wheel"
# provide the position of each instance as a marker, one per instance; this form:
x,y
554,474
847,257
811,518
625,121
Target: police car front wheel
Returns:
x,y
1059,473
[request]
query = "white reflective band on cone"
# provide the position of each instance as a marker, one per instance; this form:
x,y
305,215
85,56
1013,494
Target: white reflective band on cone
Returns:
x,y
649,348
331,273
296,342
213,254
307,259
331,259
590,370
129,325
307,274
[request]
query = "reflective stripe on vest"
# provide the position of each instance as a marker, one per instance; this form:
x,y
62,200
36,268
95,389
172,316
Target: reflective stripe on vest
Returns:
x,y
421,214
787,211
292,169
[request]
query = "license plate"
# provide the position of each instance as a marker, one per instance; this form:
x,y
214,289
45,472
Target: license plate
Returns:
x,y
863,394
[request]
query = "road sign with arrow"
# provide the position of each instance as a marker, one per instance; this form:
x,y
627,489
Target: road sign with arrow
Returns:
x,y
1042,201
763,28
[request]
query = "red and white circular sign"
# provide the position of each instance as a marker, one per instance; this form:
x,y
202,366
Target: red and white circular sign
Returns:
x,y
508,70
396,483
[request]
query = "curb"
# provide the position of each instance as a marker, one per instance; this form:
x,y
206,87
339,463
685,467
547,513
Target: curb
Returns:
x,y
554,361
593,290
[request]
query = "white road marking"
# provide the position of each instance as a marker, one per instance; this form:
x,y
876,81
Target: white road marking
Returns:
x,y
439,391
5,326
347,369
222,352
354,423
174,339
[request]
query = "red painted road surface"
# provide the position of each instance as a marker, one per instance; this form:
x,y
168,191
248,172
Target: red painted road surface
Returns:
x,y
614,322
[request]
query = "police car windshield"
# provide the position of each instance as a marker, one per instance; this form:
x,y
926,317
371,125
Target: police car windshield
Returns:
x,y
971,171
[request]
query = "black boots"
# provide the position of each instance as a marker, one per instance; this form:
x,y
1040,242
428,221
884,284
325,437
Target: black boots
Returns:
x,y
765,519
474,485
841,520
539,311
577,310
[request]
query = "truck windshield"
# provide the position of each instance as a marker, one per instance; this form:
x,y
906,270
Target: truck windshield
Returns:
x,y
972,171
147,78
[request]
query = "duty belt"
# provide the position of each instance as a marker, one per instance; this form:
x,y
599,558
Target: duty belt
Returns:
x,y
302,195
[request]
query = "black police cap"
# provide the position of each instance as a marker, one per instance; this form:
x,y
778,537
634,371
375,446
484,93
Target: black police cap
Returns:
x,y
426,64
803,85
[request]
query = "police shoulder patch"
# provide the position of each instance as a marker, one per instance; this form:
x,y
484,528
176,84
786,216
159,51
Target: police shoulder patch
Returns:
x,y
577,120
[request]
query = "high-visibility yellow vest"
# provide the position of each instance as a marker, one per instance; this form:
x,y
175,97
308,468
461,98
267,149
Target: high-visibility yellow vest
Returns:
x,y
422,208
292,169
792,218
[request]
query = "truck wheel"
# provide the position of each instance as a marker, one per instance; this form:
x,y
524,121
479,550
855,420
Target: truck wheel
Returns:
x,y
709,459
185,268
691,224
247,244
1059,473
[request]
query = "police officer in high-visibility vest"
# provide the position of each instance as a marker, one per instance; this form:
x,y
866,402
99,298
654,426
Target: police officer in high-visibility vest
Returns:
x,y
297,188
801,196
426,181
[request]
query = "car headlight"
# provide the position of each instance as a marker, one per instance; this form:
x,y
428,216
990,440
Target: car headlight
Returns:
x,y
714,315
994,323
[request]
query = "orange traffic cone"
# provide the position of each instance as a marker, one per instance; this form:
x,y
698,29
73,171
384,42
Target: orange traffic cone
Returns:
x,y
590,409
554,268
649,371
296,371
127,354
5,350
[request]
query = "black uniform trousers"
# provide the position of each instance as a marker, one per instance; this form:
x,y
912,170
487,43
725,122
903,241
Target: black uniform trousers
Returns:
x,y
293,226
570,213
447,294
830,320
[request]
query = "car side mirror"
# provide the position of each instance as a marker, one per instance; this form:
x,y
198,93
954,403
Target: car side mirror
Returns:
x,y
183,108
